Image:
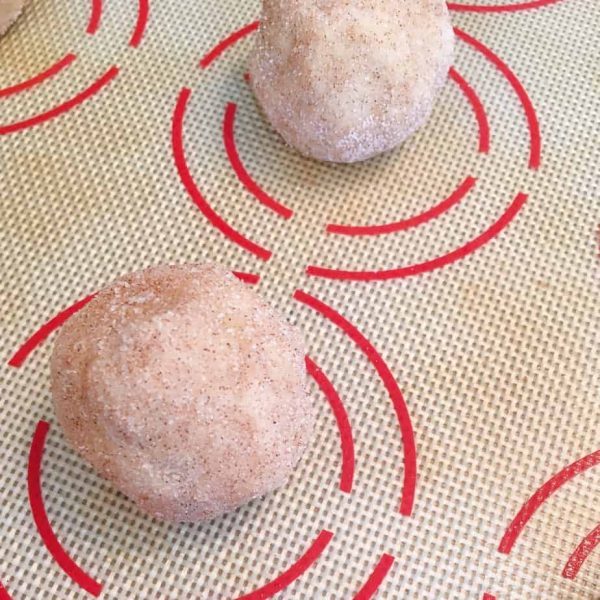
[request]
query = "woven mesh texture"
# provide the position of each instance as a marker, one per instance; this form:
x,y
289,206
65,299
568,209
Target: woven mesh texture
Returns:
x,y
497,353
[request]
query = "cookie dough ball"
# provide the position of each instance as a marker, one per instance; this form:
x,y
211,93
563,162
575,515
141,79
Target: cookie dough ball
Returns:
x,y
185,389
344,80
9,11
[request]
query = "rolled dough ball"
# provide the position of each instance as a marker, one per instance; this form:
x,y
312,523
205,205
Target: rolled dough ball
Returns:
x,y
344,80
9,11
184,389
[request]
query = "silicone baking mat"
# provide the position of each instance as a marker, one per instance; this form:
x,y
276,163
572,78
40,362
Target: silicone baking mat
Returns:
x,y
449,293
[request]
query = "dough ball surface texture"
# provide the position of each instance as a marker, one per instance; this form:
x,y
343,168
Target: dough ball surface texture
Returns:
x,y
9,11
344,80
185,389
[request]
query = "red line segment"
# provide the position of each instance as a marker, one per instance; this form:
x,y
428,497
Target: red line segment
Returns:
x,y
343,423
62,108
294,572
56,68
543,493
500,8
376,578
213,54
240,170
193,190
140,26
4,595
580,554
385,374
95,16
430,265
36,501
439,209
250,278
535,141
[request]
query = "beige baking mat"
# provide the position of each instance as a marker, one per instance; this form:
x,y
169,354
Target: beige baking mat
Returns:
x,y
451,306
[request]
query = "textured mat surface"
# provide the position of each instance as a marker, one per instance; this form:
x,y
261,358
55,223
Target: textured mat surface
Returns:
x,y
451,306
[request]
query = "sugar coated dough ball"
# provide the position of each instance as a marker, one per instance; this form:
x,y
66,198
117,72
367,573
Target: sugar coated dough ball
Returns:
x,y
344,80
9,11
185,389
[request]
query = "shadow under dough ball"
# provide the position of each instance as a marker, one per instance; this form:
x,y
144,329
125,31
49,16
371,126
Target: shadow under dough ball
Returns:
x,y
9,11
181,386
344,80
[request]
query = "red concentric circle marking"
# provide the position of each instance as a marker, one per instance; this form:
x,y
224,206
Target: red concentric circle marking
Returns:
x,y
294,572
62,108
478,109
535,142
376,578
500,8
392,387
439,209
56,68
240,170
4,595
581,553
36,501
226,43
140,26
95,16
44,331
188,181
343,423
543,493
430,265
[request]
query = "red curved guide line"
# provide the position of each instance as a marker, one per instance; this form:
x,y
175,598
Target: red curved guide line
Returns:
x,y
56,68
62,108
250,278
36,501
487,596
4,595
430,265
580,554
95,16
44,331
295,571
193,190
478,109
240,170
376,578
343,423
500,8
386,376
140,26
439,209
535,141
543,493
226,43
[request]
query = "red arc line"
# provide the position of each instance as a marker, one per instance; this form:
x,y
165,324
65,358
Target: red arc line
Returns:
x,y
386,376
488,596
44,331
36,501
541,495
62,108
580,554
95,16
439,209
56,68
343,423
240,170
213,54
376,578
500,8
535,141
430,265
196,195
250,278
478,109
140,26
294,572
4,595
